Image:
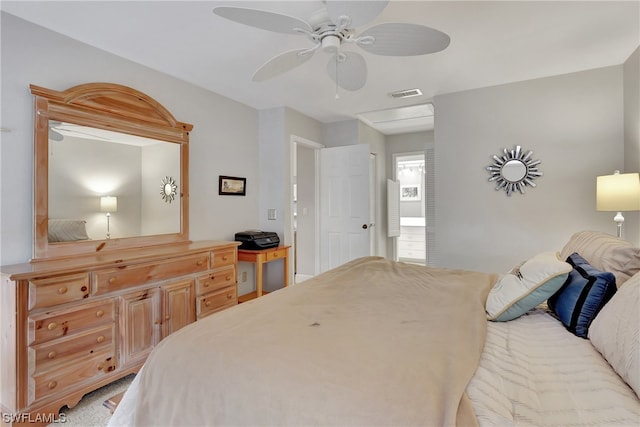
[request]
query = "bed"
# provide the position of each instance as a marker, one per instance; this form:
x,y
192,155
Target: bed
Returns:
x,y
376,342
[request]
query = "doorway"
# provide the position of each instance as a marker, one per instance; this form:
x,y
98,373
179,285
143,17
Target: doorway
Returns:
x,y
410,173
305,227
306,219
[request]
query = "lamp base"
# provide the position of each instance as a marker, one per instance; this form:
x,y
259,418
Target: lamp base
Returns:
x,y
108,232
619,220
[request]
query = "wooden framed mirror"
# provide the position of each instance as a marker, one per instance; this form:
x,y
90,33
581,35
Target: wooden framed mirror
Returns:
x,y
102,153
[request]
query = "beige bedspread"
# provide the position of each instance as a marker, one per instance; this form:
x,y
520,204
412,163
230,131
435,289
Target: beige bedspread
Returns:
x,y
370,343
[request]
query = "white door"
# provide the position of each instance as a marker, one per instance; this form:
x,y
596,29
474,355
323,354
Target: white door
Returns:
x,y
344,204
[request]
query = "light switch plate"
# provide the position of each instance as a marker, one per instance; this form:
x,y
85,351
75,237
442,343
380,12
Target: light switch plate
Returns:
x,y
271,214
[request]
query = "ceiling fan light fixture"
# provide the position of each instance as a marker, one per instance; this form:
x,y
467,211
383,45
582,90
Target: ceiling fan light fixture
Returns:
x,y
406,93
330,43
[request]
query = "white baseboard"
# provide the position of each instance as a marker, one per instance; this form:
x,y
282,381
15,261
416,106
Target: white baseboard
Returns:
x,y
301,278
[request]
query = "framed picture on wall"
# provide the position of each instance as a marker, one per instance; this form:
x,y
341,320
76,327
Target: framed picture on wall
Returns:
x,y
410,193
232,186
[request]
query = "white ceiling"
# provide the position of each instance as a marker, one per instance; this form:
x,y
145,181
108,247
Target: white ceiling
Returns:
x,y
491,43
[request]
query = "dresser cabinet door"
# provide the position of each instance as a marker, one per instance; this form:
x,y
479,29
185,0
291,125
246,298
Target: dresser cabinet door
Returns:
x,y
178,306
139,324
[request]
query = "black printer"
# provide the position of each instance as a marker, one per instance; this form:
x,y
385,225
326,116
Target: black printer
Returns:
x,y
256,239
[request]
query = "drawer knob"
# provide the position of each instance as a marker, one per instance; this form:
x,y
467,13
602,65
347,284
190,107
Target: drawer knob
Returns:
x,y
51,326
112,279
229,296
100,339
99,313
227,278
51,355
200,262
52,384
207,303
224,257
206,284
63,290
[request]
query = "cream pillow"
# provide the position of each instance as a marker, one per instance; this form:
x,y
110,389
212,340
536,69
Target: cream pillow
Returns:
x,y
526,286
606,253
615,332
67,230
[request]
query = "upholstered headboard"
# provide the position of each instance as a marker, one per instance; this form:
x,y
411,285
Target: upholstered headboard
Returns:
x,y
605,252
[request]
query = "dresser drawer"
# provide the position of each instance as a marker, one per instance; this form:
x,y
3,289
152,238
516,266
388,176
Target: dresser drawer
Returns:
x,y
56,381
51,354
120,278
215,301
406,230
58,290
56,324
216,280
411,245
412,237
224,257
277,254
411,254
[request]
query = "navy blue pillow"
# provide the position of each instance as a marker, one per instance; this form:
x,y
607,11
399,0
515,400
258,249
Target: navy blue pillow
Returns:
x,y
585,292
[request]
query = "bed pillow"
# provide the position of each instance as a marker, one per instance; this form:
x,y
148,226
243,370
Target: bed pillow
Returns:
x,y
67,230
580,299
615,332
526,286
606,253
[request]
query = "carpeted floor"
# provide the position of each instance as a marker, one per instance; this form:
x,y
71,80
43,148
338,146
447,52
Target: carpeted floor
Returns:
x,y
89,412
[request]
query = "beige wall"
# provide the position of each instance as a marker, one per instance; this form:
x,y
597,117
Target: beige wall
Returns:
x,y
224,140
632,135
574,125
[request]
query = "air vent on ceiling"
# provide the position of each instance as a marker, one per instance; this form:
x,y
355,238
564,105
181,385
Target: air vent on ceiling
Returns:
x,y
407,93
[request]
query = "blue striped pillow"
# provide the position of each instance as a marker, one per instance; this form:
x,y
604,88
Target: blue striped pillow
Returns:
x,y
585,292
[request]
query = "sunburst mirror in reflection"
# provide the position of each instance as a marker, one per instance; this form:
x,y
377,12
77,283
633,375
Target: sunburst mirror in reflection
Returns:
x,y
514,170
168,189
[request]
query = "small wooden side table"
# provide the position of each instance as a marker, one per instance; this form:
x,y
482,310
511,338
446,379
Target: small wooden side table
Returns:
x,y
259,257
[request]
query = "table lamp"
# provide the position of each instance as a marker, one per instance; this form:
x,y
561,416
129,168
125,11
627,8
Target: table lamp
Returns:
x,y
618,193
108,204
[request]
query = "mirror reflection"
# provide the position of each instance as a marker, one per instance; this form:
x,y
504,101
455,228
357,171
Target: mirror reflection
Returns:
x,y
514,170
104,184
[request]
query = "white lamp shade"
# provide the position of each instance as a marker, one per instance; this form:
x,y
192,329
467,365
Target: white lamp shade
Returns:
x,y
108,204
618,192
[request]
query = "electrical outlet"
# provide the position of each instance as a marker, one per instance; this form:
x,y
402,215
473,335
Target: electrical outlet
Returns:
x,y
244,276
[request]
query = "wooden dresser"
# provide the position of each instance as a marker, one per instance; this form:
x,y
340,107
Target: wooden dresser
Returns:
x,y
72,325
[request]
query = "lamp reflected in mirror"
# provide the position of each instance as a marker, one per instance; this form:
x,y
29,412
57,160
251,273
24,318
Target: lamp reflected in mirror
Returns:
x,y
108,204
618,193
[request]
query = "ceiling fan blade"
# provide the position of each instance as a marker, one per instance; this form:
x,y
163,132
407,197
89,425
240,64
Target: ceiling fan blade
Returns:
x,y
282,63
398,39
360,12
269,21
350,73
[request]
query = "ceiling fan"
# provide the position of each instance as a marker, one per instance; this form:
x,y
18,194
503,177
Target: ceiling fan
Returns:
x,y
331,27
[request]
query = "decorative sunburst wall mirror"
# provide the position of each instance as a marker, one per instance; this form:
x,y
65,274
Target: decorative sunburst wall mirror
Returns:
x,y
168,189
514,170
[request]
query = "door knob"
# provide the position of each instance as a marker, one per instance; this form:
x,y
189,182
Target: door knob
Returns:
x,y
365,226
